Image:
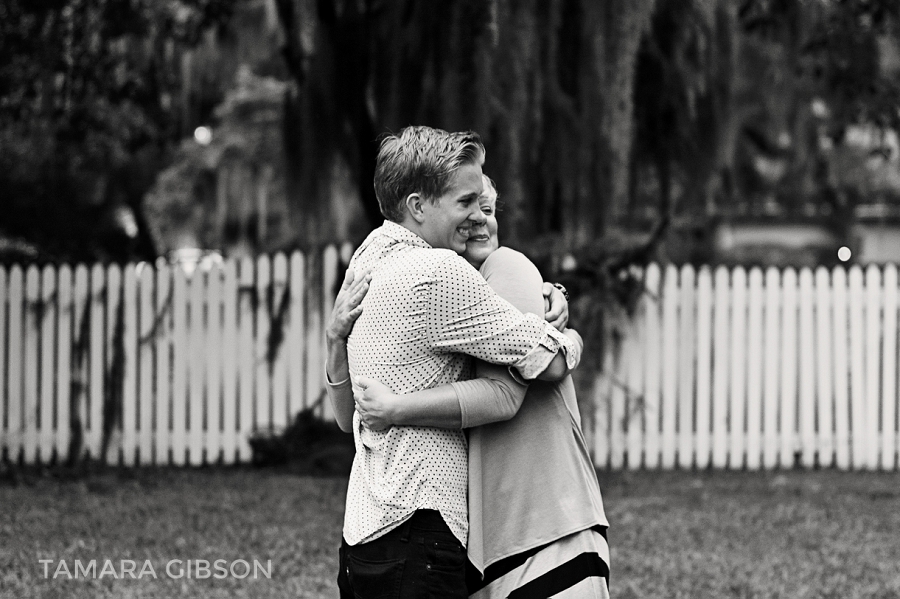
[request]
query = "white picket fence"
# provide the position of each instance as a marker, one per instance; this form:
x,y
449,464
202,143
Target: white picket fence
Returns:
x,y
724,368
196,361
735,369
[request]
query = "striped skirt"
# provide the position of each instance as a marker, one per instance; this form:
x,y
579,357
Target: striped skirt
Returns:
x,y
573,567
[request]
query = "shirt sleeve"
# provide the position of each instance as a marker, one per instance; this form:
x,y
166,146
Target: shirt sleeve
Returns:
x,y
492,397
465,315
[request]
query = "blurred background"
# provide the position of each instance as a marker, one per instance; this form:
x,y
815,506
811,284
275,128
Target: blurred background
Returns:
x,y
755,132
697,173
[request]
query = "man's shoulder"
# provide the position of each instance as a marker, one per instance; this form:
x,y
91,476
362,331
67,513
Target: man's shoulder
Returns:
x,y
384,252
434,264
448,264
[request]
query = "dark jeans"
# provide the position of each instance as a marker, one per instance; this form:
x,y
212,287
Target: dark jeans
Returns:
x,y
419,559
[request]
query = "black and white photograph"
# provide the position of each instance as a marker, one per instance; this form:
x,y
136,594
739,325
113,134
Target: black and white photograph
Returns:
x,y
449,299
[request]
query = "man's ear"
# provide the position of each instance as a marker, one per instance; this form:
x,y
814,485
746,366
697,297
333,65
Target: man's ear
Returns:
x,y
415,205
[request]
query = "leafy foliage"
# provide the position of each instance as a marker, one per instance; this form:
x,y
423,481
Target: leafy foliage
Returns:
x,y
181,204
87,111
742,107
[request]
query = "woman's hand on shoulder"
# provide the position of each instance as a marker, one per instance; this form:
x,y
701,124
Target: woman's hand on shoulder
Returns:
x,y
347,305
555,306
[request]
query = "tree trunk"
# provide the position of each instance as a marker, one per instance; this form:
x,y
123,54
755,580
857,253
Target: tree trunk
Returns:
x,y
547,83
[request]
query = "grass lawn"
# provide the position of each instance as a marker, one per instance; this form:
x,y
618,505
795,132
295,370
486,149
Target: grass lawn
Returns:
x,y
673,534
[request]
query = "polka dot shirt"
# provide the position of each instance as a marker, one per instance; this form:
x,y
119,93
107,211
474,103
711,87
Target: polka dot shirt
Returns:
x,y
425,317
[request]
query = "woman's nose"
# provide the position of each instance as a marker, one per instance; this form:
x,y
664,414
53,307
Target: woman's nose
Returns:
x,y
477,217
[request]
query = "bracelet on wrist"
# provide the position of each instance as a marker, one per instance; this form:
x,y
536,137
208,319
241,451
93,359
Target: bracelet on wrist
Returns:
x,y
342,383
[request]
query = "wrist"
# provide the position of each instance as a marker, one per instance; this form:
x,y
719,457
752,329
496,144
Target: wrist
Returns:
x,y
393,410
334,339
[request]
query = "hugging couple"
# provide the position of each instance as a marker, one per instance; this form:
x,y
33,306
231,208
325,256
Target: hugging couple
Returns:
x,y
471,476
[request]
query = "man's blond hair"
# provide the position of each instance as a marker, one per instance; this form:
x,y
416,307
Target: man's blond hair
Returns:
x,y
421,160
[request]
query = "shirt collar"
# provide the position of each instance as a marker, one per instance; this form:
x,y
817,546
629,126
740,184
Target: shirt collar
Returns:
x,y
398,232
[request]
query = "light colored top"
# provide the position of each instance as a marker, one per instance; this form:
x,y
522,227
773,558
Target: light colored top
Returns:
x,y
531,479
427,310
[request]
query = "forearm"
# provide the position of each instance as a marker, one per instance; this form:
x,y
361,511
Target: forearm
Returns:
x,y
438,407
493,397
338,387
552,359
558,368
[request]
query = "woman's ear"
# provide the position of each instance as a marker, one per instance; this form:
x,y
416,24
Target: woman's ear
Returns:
x,y
415,205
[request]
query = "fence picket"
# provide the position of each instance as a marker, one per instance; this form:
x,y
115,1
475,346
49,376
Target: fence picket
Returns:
x,y
873,364
841,339
295,337
94,429
807,407
772,362
111,420
180,357
889,372
262,357
668,405
653,368
721,359
246,366
79,414
229,352
618,414
145,346
63,362
602,389
14,436
346,254
196,366
31,352
824,369
634,389
165,366
314,357
704,365
788,396
754,368
738,392
280,305
687,341
130,358
49,302
213,354
858,448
